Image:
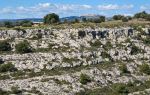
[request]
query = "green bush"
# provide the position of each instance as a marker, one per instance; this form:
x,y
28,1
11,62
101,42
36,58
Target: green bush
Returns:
x,y
23,47
1,61
97,44
146,41
124,19
118,17
120,88
7,67
105,55
26,23
8,24
15,90
123,68
5,46
135,50
2,92
108,45
84,79
144,68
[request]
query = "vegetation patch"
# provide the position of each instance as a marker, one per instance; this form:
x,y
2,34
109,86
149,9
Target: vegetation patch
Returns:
x,y
84,79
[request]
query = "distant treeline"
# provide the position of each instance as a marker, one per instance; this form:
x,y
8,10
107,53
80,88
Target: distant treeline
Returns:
x,y
54,19
9,24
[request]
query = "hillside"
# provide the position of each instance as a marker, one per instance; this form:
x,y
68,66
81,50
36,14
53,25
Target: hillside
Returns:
x,y
82,61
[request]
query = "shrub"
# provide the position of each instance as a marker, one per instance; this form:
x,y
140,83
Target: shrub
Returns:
x,y
146,41
5,46
108,45
7,67
15,90
26,23
118,17
124,19
1,61
84,79
23,47
135,50
2,92
105,55
120,88
97,43
123,68
144,68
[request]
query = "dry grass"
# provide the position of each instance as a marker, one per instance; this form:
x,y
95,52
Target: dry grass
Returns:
x,y
107,24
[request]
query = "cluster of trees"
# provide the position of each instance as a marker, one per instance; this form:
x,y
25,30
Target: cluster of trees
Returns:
x,y
122,17
9,24
96,20
54,18
142,15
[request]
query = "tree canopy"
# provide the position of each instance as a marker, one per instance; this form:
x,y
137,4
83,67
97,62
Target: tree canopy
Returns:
x,y
51,18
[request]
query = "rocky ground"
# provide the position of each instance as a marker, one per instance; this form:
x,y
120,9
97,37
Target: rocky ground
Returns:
x,y
99,61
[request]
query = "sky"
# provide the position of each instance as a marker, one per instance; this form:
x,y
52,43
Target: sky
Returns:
x,y
16,9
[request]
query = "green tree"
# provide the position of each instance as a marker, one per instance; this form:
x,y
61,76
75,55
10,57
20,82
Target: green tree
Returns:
x,y
8,24
76,20
51,18
124,19
140,15
84,19
26,23
23,47
102,18
118,17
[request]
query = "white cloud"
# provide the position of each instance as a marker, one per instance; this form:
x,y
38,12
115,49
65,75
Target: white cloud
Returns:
x,y
145,8
44,8
114,7
39,10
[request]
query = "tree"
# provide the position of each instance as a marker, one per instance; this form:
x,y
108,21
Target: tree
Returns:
x,y
76,20
124,19
140,15
102,18
118,17
143,15
26,23
8,24
23,47
51,18
5,46
84,19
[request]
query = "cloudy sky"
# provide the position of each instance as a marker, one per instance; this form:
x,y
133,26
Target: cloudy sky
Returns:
x,y
12,9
